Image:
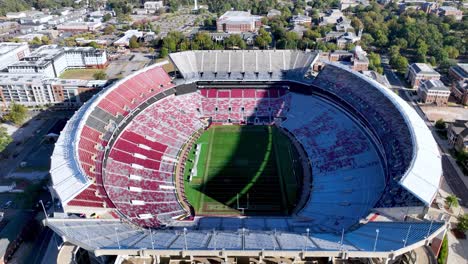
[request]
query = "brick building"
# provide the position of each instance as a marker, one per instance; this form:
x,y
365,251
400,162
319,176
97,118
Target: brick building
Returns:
x,y
418,72
433,92
237,22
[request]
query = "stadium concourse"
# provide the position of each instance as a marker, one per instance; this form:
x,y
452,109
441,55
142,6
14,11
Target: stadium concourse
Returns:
x,y
123,153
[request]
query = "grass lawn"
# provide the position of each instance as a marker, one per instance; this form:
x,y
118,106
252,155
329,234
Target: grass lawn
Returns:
x,y
85,74
251,167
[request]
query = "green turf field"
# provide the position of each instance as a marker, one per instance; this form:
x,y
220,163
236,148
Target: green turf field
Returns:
x,y
251,167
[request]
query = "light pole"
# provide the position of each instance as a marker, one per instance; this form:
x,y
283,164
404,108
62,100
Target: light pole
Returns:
x,y
43,208
376,238
151,236
117,235
308,231
185,238
407,236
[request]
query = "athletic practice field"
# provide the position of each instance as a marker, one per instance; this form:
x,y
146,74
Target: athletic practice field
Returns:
x,y
250,169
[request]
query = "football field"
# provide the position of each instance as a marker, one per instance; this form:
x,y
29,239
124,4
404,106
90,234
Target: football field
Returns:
x,y
251,170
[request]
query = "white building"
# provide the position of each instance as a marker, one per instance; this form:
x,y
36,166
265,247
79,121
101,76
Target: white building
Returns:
x,y
152,6
51,60
34,89
79,26
12,52
125,40
301,20
35,19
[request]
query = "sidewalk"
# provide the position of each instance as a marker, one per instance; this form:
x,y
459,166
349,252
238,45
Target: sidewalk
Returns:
x,y
458,250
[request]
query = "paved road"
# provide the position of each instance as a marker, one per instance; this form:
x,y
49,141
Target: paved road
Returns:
x,y
450,172
40,247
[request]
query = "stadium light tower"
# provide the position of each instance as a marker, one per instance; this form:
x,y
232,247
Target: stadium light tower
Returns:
x,y
376,238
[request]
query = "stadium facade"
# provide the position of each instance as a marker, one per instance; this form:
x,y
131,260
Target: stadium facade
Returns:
x,y
366,148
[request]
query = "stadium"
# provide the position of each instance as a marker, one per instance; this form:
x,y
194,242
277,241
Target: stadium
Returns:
x,y
246,154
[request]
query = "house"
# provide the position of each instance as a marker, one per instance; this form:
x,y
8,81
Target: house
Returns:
x,y
459,72
237,22
273,13
418,72
457,133
301,20
330,17
433,92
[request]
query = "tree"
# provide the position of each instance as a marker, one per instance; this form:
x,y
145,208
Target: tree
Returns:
x,y
235,41
100,75
106,17
36,41
442,259
5,139
440,124
164,52
46,40
94,45
399,62
375,63
17,114
109,29
133,43
463,223
263,39
451,200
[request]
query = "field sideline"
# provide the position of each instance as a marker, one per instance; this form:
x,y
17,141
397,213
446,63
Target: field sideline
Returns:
x,y
250,167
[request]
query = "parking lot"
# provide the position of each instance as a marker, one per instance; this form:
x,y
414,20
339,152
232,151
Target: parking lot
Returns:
x,y
127,64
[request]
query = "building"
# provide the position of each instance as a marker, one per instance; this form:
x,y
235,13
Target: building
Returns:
x,y
344,4
331,17
248,37
51,60
273,13
418,72
125,39
237,22
458,134
35,19
8,27
356,60
79,26
36,89
152,6
451,11
433,92
459,90
301,20
459,72
360,61
11,52
22,14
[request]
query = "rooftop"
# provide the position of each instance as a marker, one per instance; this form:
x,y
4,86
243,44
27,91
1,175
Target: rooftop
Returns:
x,y
423,68
435,85
6,47
238,16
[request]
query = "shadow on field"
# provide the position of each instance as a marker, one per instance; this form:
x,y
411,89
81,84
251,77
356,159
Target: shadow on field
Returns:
x,y
242,172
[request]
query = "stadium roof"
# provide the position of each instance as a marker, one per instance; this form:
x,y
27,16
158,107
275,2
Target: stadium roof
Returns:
x,y
423,176
113,237
244,65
